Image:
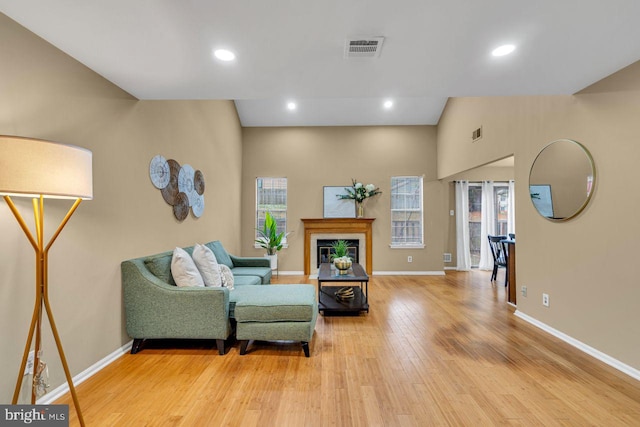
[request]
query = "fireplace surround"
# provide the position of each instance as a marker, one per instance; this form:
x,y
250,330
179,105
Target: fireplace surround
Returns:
x,y
339,228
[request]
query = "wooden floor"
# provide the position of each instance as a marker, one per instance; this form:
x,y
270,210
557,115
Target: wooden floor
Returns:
x,y
432,351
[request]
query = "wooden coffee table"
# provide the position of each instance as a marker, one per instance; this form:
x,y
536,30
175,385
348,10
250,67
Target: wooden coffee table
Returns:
x,y
328,304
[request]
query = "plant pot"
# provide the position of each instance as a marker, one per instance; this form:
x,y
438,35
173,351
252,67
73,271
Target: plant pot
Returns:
x,y
273,259
272,251
342,266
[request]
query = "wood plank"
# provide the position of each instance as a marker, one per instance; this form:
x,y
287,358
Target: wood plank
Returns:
x,y
432,351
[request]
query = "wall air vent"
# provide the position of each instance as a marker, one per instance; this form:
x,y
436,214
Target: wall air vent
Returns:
x,y
363,47
476,134
446,257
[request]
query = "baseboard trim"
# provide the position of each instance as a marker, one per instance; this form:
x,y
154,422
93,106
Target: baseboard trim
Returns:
x,y
63,389
451,268
614,363
289,273
408,273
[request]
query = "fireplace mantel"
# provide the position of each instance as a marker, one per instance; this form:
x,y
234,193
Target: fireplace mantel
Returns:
x,y
337,225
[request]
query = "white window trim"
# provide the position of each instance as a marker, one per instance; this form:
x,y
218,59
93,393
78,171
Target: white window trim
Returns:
x,y
256,245
408,246
421,210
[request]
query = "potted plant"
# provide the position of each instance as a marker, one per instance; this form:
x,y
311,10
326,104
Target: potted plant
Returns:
x,y
270,239
340,256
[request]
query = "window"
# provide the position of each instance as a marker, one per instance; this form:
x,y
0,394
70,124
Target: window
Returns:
x,y
271,196
501,214
475,218
406,211
501,201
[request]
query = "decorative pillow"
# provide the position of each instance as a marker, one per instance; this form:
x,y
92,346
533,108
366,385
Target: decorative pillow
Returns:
x,y
227,276
207,265
184,270
221,253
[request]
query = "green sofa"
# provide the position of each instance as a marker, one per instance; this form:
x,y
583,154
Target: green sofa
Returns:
x,y
156,308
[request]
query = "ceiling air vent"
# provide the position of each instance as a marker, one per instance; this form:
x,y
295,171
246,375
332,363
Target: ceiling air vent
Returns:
x,y
363,47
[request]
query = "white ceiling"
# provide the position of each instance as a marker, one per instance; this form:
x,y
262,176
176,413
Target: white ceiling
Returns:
x,y
293,50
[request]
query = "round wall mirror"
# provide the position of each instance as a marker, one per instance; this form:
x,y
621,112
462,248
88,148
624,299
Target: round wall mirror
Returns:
x,y
561,180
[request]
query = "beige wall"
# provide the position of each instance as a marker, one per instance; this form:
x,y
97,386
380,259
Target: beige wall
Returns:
x,y
314,157
461,116
45,94
586,265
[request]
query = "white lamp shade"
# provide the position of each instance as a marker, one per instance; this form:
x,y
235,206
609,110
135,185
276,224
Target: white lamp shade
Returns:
x,y
33,167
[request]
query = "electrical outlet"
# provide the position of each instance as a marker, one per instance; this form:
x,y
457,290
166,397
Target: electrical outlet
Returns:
x,y
524,291
28,369
545,300
409,258
452,212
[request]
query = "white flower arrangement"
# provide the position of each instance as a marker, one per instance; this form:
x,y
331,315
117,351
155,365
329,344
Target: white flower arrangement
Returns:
x,y
359,192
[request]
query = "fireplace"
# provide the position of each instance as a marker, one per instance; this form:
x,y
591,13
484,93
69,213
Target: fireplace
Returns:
x,y
325,251
337,228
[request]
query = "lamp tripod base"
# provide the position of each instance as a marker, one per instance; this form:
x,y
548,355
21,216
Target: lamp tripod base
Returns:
x,y
42,299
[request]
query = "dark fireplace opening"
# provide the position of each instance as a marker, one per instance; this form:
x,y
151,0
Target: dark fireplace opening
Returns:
x,y
325,251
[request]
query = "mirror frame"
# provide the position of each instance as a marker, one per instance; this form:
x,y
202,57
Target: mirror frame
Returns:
x,y
593,185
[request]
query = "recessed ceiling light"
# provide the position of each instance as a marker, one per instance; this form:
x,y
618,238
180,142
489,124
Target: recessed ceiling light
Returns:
x,y
224,55
388,104
503,50
291,105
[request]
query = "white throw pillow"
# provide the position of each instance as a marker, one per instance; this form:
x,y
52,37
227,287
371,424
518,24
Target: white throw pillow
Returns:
x,y
184,270
207,265
227,276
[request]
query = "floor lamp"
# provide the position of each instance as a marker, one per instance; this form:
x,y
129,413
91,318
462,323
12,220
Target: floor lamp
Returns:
x,y
41,169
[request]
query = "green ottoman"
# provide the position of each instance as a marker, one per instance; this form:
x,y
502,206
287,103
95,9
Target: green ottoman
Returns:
x,y
277,312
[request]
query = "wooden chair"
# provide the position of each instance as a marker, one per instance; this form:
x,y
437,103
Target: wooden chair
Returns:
x,y
499,256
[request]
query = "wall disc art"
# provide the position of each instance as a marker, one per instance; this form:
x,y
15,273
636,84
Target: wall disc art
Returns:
x,y
198,206
181,187
170,191
181,207
198,182
185,183
159,171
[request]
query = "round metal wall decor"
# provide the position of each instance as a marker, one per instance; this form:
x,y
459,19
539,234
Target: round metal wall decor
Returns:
x,y
198,206
198,182
170,192
185,183
181,186
181,207
159,172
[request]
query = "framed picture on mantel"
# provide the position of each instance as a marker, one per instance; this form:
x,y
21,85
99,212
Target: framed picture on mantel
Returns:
x,y
335,207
